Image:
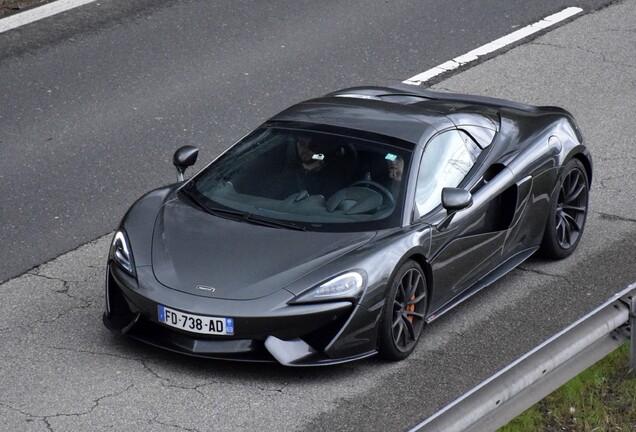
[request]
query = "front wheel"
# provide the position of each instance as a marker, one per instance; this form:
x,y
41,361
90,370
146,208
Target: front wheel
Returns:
x,y
568,212
403,315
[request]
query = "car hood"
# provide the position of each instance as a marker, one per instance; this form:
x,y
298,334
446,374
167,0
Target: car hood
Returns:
x,y
234,259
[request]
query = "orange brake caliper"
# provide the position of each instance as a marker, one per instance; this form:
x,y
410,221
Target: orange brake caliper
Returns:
x,y
411,308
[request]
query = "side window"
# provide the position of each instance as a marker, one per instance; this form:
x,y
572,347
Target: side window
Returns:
x,y
447,159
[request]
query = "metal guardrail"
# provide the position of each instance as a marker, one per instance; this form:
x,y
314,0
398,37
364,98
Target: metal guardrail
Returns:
x,y
499,399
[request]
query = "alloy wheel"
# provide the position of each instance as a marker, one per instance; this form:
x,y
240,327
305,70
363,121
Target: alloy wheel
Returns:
x,y
409,307
571,209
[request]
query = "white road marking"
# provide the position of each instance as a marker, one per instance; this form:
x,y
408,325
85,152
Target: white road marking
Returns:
x,y
39,13
493,46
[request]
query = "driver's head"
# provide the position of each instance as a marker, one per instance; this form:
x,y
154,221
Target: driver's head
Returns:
x,y
305,149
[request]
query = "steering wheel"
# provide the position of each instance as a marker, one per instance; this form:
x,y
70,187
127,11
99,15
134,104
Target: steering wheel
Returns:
x,y
386,194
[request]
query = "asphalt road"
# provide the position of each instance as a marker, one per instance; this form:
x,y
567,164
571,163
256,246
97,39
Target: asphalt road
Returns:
x,y
95,100
61,370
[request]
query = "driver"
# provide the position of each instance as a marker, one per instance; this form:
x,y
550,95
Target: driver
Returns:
x,y
315,173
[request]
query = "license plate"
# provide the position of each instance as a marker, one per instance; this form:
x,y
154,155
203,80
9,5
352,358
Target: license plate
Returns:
x,y
196,323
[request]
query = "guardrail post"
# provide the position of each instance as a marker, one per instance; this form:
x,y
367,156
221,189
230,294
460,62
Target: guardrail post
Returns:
x,y
632,337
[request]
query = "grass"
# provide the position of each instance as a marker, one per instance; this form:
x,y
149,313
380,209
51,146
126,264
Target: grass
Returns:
x,y
602,398
12,6
10,2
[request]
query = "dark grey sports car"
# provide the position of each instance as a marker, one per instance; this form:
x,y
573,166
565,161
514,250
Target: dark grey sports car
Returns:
x,y
342,226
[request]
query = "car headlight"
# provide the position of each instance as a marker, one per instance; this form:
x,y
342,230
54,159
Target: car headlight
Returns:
x,y
121,253
346,286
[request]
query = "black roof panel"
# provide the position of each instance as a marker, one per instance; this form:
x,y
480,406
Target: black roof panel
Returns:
x,y
408,123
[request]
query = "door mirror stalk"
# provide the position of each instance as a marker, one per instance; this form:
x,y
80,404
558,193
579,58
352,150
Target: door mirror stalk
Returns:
x,y
183,158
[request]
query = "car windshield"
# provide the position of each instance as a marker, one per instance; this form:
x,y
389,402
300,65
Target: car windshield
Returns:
x,y
314,180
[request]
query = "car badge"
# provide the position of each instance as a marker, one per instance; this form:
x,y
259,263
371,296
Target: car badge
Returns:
x,y
205,288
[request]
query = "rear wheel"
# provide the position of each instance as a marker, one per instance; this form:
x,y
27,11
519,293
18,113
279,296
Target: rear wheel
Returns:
x,y
568,212
403,315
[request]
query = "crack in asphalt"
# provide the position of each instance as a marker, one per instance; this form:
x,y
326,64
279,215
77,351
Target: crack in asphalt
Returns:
x,y
603,57
66,284
613,217
167,382
196,388
614,158
273,392
97,353
30,326
544,273
36,272
96,403
603,182
24,413
84,304
176,426
144,363
58,316
619,31
47,419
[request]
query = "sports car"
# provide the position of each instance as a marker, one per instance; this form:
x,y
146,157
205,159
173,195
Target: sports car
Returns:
x,y
342,226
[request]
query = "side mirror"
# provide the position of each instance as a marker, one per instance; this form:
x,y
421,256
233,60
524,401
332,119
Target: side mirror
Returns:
x,y
453,200
183,158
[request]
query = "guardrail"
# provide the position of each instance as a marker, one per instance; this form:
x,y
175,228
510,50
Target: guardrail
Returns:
x,y
505,395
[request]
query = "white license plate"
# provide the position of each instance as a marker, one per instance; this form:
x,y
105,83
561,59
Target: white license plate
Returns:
x,y
196,323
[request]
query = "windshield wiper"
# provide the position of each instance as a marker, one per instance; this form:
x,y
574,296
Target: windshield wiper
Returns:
x,y
243,216
227,213
261,220
254,219
223,212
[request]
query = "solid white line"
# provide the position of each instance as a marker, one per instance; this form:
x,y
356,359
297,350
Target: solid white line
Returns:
x,y
39,13
493,46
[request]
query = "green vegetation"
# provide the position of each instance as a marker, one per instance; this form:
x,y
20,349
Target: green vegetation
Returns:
x,y
602,398
9,2
10,7
7,6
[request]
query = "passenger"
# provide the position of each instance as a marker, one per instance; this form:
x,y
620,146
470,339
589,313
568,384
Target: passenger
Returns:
x,y
395,167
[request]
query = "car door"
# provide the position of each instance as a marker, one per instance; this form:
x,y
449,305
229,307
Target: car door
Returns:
x,y
470,246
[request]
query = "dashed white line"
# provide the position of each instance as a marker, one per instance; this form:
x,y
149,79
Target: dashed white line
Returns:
x,y
38,13
493,46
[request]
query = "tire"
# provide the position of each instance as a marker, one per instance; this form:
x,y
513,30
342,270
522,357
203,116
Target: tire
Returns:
x,y
568,212
403,314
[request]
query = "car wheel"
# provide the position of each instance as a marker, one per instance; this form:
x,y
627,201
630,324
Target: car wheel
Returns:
x,y
568,212
403,315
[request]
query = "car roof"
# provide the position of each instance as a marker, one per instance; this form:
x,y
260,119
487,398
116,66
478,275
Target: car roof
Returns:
x,y
353,111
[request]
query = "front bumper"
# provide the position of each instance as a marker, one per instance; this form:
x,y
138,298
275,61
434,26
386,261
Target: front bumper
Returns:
x,y
266,329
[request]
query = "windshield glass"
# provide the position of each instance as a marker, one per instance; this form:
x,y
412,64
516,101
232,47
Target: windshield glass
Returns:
x,y
317,180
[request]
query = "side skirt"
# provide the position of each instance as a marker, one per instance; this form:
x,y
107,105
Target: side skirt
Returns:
x,y
489,279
